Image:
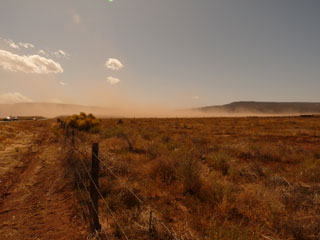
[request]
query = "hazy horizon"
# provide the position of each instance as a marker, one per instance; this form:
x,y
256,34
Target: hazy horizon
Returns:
x,y
235,109
133,55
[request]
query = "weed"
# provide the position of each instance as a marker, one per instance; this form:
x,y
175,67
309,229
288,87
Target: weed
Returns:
x,y
220,162
165,169
189,172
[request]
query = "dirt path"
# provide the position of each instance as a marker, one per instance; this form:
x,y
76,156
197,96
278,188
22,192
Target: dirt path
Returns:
x,y
37,200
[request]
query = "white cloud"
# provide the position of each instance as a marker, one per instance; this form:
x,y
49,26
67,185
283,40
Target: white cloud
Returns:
x,y
113,80
63,83
76,18
114,64
28,64
12,43
18,45
61,53
42,52
195,97
26,45
14,97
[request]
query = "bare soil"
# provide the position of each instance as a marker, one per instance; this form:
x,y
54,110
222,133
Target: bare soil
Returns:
x,y
36,198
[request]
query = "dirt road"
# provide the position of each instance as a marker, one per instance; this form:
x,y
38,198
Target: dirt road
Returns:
x,y
36,198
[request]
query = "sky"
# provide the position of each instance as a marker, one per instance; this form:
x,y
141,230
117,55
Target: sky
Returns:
x,y
169,53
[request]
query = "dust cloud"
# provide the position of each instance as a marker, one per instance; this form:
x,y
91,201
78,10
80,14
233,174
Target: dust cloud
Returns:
x,y
51,110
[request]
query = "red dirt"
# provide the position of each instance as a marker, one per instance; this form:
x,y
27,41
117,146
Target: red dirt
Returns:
x,y
36,198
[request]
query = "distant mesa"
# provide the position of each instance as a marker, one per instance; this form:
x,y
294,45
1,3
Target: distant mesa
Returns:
x,y
265,108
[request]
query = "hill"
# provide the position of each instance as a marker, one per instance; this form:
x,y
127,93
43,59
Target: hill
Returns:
x,y
274,108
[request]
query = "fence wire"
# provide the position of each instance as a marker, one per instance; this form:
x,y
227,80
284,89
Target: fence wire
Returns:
x,y
129,190
100,194
86,155
87,191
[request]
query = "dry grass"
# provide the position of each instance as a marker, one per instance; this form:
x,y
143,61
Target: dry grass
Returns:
x,y
216,178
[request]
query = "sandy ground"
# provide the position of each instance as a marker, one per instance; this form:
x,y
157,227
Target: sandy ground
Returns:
x,y
36,199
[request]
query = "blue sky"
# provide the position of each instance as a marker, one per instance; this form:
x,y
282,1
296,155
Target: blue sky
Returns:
x,y
174,53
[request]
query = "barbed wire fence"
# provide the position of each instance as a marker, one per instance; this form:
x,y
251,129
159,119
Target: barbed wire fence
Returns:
x,y
152,220
80,183
93,193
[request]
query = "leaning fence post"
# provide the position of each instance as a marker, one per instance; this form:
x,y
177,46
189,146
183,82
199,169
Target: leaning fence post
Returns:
x,y
93,188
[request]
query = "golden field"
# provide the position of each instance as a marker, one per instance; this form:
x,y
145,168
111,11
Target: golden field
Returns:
x,y
204,178
213,178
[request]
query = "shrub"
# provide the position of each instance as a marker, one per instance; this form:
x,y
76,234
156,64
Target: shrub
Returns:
x,y
105,186
155,149
128,199
311,175
229,231
266,153
213,193
189,172
220,162
111,132
165,169
81,122
121,167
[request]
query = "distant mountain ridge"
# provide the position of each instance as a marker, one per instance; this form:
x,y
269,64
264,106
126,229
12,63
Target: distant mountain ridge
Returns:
x,y
252,107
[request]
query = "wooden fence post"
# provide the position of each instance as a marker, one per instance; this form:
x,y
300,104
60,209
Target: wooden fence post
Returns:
x,y
93,191
72,138
152,228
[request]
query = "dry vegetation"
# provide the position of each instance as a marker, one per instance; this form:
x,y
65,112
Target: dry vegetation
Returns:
x,y
36,195
215,178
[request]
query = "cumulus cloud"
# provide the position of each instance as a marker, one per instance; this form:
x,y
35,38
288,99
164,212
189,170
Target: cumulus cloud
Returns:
x,y
113,80
26,45
76,18
14,97
12,43
42,52
28,64
63,83
61,53
195,97
114,64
